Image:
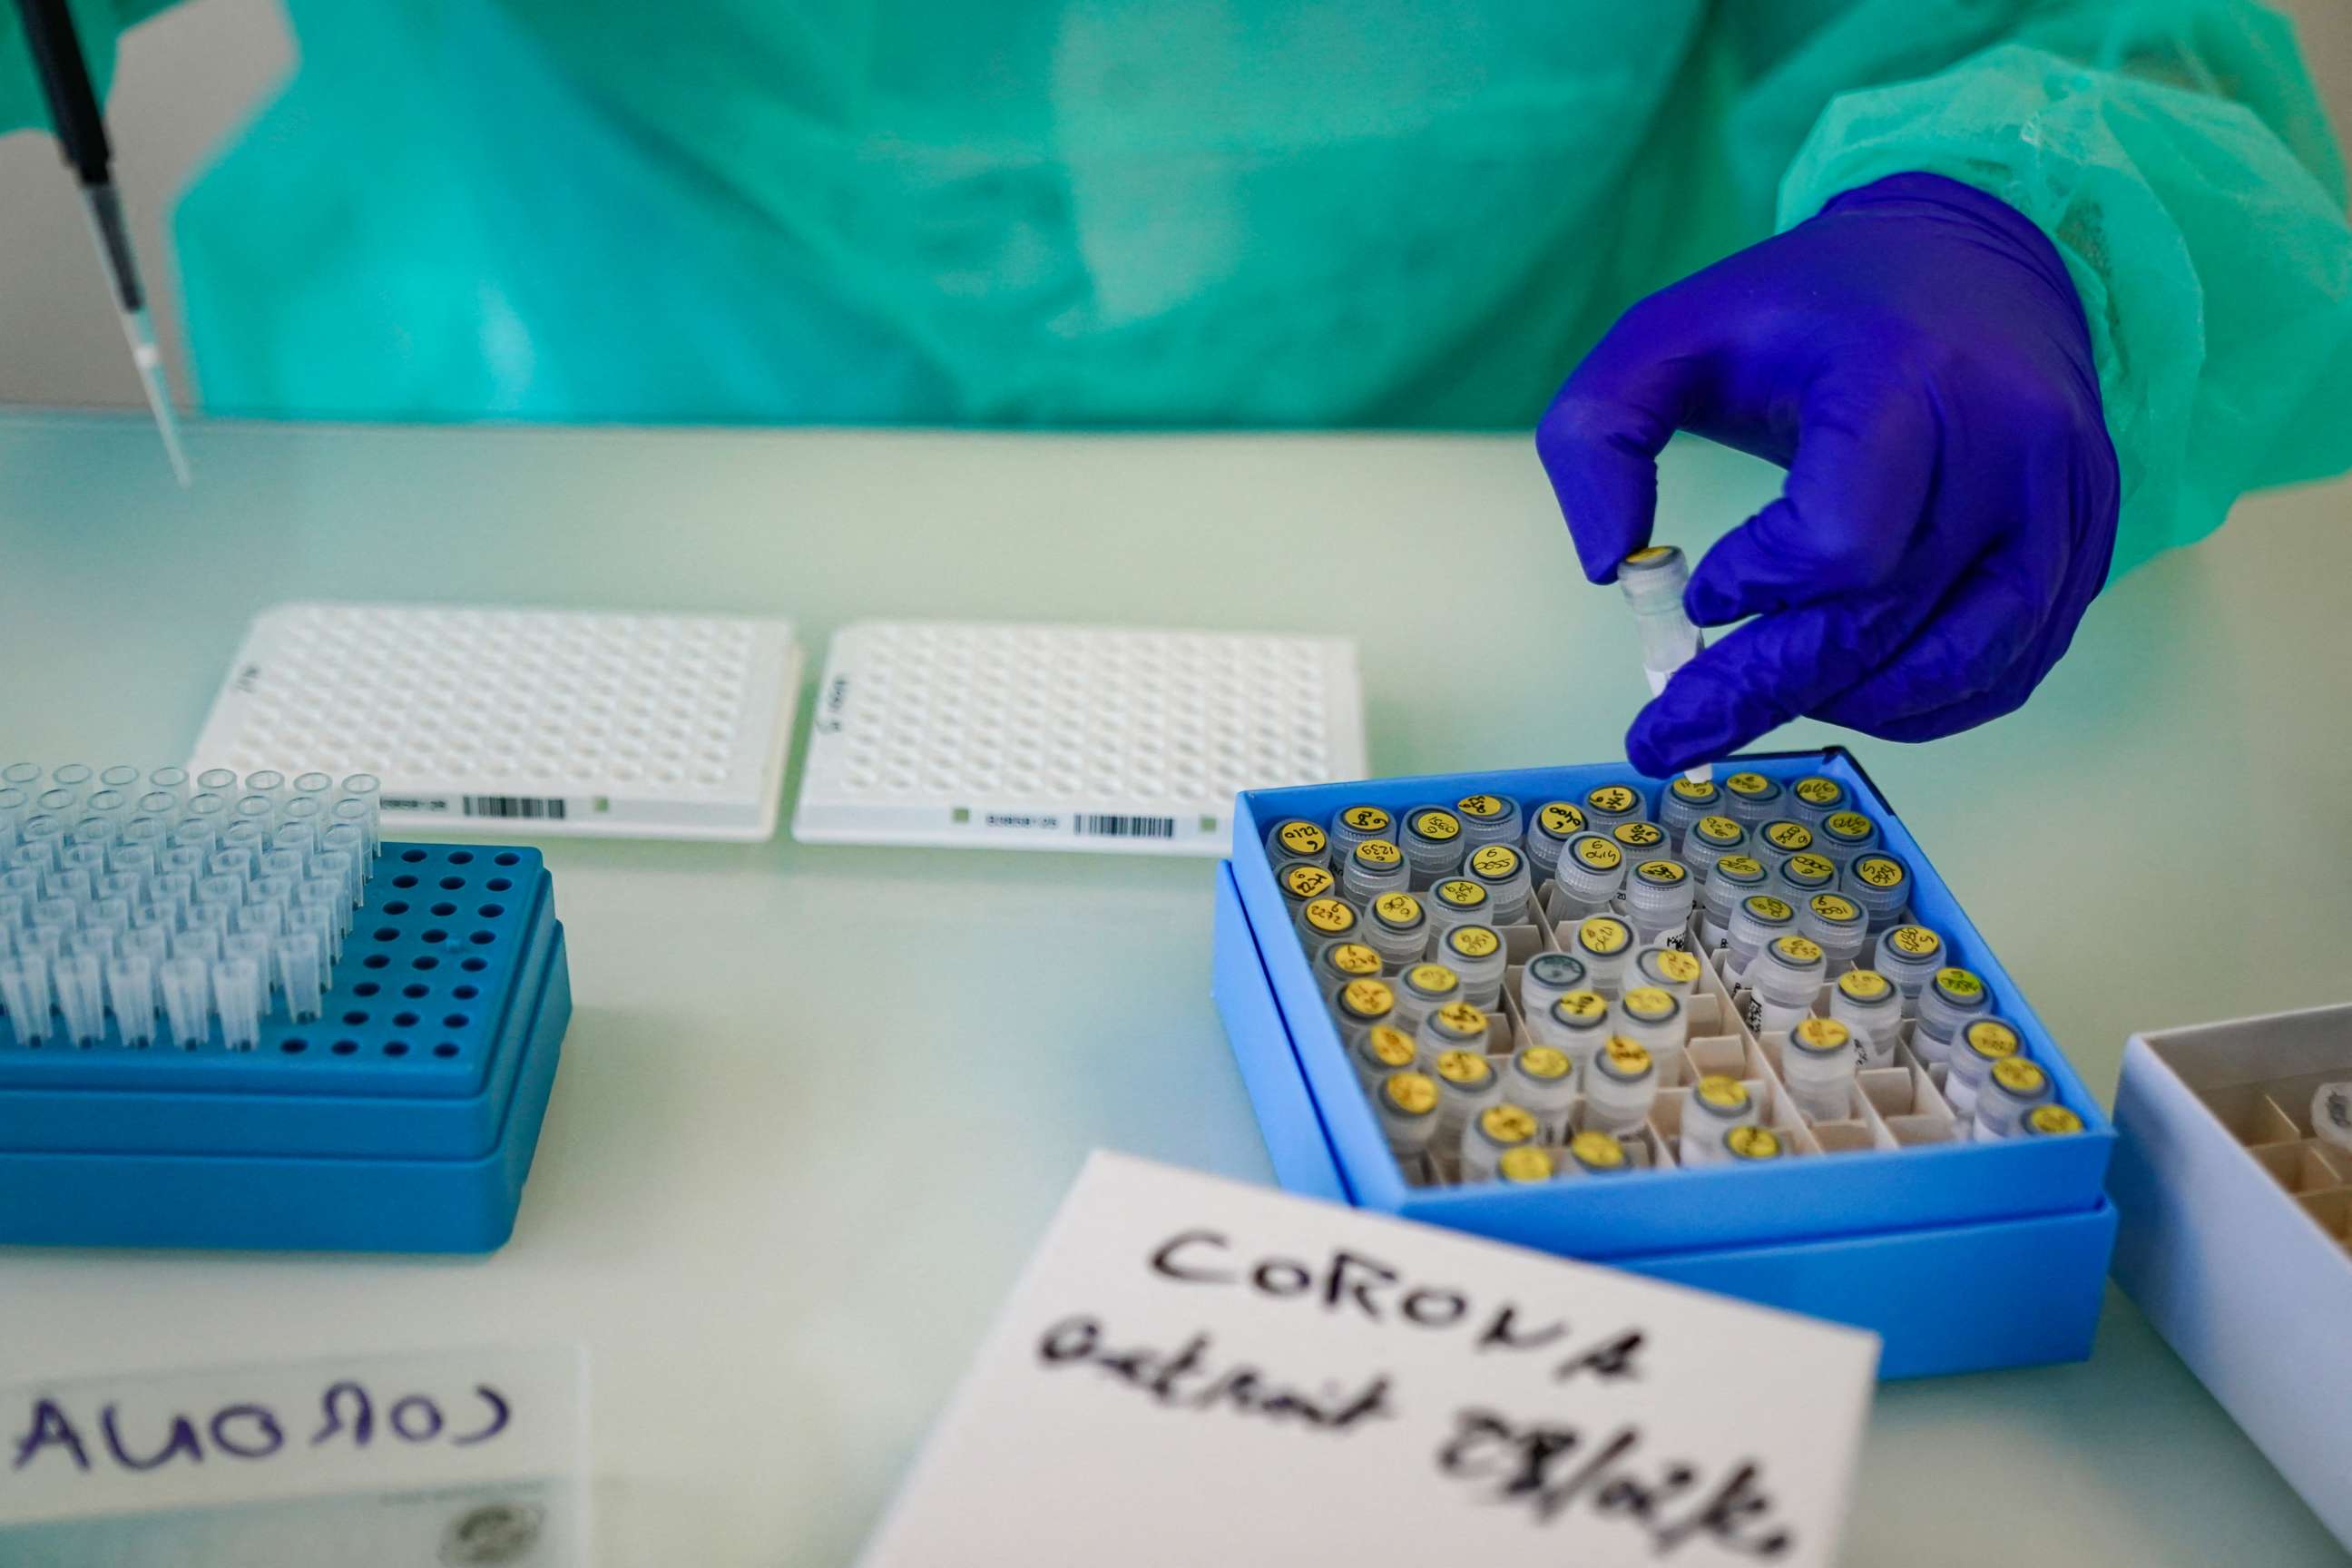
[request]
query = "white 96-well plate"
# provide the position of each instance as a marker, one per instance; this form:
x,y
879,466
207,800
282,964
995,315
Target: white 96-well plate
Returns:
x,y
625,726
1023,737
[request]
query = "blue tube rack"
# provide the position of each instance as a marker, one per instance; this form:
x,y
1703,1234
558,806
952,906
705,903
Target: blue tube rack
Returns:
x,y
403,1119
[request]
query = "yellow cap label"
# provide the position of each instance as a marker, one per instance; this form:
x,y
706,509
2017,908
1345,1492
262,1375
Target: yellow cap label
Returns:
x,y
1819,791
1765,907
1960,985
1834,909
1648,553
1461,1018
1649,1004
2053,1118
1397,908
1865,984
1459,893
1697,791
1662,873
1378,852
1306,881
1549,1063
1722,1093
1354,957
1485,807
1389,1046
1789,836
1579,1007
1809,868
1879,871
1437,824
1474,942
1330,917
1366,818
1410,1092
1611,800
1916,941
1600,853
1427,977
1990,1039
1749,785
1597,1150
1604,935
1630,1058
2020,1075
1677,965
1638,835
1718,829
1301,838
1367,998
1846,825
1465,1070
1560,819
1525,1163
1498,860
1752,1143
1800,950
1507,1124
1820,1034
1740,867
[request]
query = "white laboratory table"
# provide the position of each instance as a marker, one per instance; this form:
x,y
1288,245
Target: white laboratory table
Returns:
x,y
816,1104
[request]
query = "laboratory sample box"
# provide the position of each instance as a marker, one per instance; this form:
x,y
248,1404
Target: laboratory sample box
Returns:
x,y
1798,1074
2235,1204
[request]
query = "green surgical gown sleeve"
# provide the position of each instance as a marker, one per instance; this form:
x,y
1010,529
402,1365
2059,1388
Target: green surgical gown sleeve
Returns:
x,y
96,22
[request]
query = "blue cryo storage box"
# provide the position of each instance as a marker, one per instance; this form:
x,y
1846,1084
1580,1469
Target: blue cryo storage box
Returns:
x,y
1961,1256
403,1119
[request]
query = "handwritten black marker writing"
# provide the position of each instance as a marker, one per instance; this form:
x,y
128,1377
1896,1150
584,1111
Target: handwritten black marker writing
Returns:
x,y
249,1431
1353,1283
1185,1378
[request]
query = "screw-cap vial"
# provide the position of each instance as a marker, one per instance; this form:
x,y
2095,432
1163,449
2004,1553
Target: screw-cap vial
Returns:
x,y
1477,954
1799,876
1547,977
1549,828
1785,978
1397,926
1881,884
1501,870
1909,956
1652,1016
1593,1152
1606,805
1361,1004
1708,840
1431,841
1951,999
1733,878
1384,1049
1590,872
1421,989
1407,1102
1489,819
1812,798
1296,839
1683,802
1745,1145
1458,900
1836,922
1845,836
1351,824
1321,920
1604,945
1577,1024
1869,1004
1658,898
1970,1059
2048,1120
1819,1066
1620,1086
1528,1167
1302,883
1543,1079
1492,1133
2010,1091
1782,838
1341,960
1717,1104
1373,867
1669,969
1467,1084
1753,800
1756,919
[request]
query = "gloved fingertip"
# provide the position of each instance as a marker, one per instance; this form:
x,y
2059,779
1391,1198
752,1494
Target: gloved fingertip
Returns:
x,y
1662,742
1709,604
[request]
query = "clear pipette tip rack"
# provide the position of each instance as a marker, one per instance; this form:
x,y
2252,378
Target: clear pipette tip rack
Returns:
x,y
634,726
1036,737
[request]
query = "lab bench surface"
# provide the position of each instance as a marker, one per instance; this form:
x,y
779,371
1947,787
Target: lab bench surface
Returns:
x,y
817,1103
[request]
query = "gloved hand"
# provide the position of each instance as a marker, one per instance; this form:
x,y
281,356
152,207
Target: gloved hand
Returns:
x,y
1916,357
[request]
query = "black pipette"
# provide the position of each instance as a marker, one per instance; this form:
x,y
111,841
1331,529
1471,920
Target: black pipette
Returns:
x,y
81,137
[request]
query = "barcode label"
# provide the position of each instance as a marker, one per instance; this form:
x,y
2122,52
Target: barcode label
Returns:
x,y
1099,826
518,805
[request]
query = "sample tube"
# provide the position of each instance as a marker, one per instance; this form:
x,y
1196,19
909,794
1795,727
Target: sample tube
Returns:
x,y
1604,944
2048,1121
1838,923
1782,838
217,781
368,790
1340,959
1620,1086
1881,884
1575,1024
1799,876
1658,898
1302,884
1503,872
1477,954
1640,839
1361,1004
1296,839
1952,1000
25,991
1709,839
1432,842
187,984
21,775
1753,800
302,973
359,816
1526,1166
1970,1060
1555,822
1421,989
1372,868
131,990
1844,836
1458,900
1652,580
1384,1049
1735,878
1487,819
1588,876
1653,1017
1668,969
1744,1145
1492,1133
1408,1106
1398,927
1466,1085
1547,977
1756,921
1817,1065
1543,1079
1607,805
81,997
1785,977
1593,1152
1867,1003
1716,1106
2010,1092
1909,956
1813,799
1351,824
1456,1026
1319,919
1682,803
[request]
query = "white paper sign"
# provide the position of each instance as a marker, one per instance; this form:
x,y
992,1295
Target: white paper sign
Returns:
x,y
1198,1373
472,1459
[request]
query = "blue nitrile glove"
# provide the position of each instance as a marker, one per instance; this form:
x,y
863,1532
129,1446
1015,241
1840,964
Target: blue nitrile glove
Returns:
x,y
1916,357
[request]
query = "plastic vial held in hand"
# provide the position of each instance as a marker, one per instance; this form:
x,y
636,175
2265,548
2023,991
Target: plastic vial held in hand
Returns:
x,y
1653,580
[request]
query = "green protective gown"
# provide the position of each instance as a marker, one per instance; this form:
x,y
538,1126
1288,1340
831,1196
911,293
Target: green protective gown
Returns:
x,y
1223,212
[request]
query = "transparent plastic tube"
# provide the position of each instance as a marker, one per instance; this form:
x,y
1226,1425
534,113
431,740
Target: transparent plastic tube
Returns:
x,y
1909,956
270,784
1353,825
1397,927
1949,1003
21,775
1296,839
1549,828
1543,1079
1813,799
1374,867
1458,900
1782,837
1837,923
1869,1004
1716,1105
1668,969
1361,1004
1489,819
1980,1045
1477,954
1658,898
1319,919
1421,989
217,781
257,948
265,919
318,786
1608,805
1844,836
344,839
1492,1133
1456,1026
323,920
301,821
1302,884
1818,1065
2047,1120
1785,977
1407,1103
1466,1085
81,998
1547,977
173,782
1604,945
1341,960
1735,878
1751,799
1384,1049
1653,580
131,991
1432,842
1756,921
1799,876
2013,1090
1576,1022
1621,1084
1501,870
1593,1152
1881,884
203,945
1531,1166
1590,872
1652,1016
187,986
25,991
236,986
